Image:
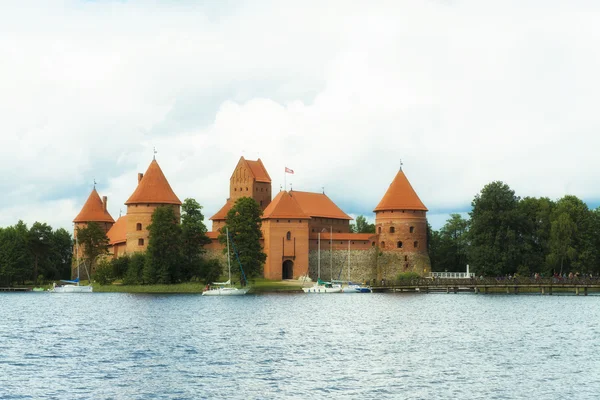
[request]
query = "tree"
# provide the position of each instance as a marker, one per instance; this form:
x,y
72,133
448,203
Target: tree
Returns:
x,y
362,225
61,255
561,240
15,257
193,238
535,216
93,242
40,236
494,231
135,269
244,222
163,257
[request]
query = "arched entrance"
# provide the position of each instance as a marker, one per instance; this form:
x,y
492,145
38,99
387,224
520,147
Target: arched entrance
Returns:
x,y
287,270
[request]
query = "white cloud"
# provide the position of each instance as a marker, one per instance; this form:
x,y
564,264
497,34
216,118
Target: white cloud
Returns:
x,y
463,92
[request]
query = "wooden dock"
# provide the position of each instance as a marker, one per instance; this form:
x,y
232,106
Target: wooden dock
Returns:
x,y
15,289
487,286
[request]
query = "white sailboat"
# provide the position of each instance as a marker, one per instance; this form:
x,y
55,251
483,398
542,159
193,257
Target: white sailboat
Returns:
x,y
72,286
225,288
354,287
319,286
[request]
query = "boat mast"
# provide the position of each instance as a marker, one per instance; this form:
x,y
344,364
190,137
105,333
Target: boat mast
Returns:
x,y
348,262
228,257
319,257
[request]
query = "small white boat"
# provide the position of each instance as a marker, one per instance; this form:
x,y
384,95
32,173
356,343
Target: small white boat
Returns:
x,y
356,288
323,287
72,286
225,288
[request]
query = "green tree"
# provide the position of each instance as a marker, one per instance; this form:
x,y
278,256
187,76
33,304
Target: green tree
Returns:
x,y
494,231
15,257
244,223
561,241
450,245
211,270
93,243
61,255
535,215
362,225
193,239
40,236
135,269
163,257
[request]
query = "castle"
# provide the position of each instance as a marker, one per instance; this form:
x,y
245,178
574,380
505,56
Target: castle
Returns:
x,y
304,233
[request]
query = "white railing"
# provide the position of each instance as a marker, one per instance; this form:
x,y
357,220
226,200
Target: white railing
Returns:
x,y
451,275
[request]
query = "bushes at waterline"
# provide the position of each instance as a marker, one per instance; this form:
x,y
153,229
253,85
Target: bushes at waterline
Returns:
x,y
130,269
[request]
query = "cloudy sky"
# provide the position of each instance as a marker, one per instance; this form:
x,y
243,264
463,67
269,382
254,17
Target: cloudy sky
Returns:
x,y
464,92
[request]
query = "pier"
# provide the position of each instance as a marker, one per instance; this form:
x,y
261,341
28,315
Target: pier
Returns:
x,y
490,285
15,289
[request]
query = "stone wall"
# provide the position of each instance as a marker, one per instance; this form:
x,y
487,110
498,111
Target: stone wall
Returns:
x,y
366,265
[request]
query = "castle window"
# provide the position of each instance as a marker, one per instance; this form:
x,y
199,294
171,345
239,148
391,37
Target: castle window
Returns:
x,y
352,242
288,235
405,258
246,189
261,203
373,244
412,229
289,221
416,244
235,189
392,229
138,226
399,244
299,221
313,229
140,242
382,244
277,220
261,189
379,230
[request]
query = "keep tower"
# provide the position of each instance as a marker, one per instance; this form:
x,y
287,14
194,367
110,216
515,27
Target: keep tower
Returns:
x,y
153,190
249,179
401,225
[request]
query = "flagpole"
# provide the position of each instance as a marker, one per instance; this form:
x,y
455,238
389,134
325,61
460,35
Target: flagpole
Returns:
x,y
284,180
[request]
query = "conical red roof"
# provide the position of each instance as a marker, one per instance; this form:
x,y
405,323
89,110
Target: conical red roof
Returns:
x,y
284,205
153,188
400,196
93,210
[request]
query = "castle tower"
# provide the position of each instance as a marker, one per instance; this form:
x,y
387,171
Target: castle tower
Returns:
x,y
249,179
153,191
285,233
401,225
94,210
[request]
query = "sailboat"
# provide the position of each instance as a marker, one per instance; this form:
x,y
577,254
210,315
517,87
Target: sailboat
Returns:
x,y
225,288
354,287
319,286
72,286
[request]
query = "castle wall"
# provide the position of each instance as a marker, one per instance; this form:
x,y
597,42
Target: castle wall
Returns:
x,y
363,264
318,224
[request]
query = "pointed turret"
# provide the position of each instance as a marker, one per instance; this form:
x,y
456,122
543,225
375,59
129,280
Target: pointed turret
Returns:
x,y
94,210
153,188
400,196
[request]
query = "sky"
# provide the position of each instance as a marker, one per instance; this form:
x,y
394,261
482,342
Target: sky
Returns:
x,y
464,93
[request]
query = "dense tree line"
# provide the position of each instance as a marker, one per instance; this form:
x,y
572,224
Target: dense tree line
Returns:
x,y
174,254
505,234
34,254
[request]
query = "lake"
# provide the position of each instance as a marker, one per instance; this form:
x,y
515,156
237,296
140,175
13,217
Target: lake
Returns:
x,y
380,346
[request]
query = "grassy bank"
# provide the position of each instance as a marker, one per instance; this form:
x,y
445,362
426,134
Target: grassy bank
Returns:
x,y
257,286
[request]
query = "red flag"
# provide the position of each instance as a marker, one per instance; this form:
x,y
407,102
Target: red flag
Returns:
x,y
289,171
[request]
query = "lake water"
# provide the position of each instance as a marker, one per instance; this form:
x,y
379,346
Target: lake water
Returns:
x,y
380,346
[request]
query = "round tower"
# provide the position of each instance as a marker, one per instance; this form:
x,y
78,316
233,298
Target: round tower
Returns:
x,y
401,226
153,191
94,210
